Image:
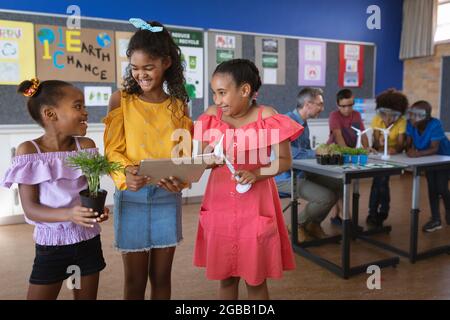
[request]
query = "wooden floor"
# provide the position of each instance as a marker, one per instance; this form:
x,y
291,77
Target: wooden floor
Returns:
x,y
428,279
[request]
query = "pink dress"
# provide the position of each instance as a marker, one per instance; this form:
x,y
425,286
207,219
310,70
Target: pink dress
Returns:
x,y
243,235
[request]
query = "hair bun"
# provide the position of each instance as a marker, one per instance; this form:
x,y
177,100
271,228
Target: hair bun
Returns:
x,y
29,87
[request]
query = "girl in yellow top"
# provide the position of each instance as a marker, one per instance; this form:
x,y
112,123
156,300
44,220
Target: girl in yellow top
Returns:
x,y
391,105
141,123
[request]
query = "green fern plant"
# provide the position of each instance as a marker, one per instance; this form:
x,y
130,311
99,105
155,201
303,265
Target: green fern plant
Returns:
x,y
93,166
362,151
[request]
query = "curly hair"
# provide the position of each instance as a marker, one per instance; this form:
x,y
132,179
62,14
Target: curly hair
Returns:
x,y
161,45
392,99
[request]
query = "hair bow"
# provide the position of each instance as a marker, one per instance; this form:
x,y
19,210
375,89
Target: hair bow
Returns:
x,y
141,24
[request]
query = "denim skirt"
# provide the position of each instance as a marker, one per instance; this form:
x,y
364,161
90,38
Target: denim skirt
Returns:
x,y
146,219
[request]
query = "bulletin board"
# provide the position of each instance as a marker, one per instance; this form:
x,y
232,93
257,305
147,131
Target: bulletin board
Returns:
x,y
279,59
282,71
94,65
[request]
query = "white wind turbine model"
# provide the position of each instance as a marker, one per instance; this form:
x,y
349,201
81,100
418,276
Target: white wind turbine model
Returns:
x,y
218,152
359,133
385,156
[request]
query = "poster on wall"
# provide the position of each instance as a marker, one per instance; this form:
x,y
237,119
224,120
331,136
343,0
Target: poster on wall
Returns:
x,y
312,63
83,55
122,40
270,58
351,65
222,47
191,46
225,47
97,96
16,52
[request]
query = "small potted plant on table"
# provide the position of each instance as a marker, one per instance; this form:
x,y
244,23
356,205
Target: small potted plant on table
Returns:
x,y
93,166
354,155
347,154
322,154
363,156
336,155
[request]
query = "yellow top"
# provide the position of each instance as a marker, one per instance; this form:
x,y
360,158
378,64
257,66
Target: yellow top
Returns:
x,y
140,130
398,128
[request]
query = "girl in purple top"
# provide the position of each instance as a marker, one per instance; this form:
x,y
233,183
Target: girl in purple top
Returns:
x,y
66,234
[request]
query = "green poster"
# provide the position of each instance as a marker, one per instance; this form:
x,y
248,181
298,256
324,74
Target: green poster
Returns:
x,y
186,38
224,55
270,61
191,45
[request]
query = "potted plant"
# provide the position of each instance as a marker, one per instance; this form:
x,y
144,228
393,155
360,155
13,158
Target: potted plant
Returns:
x,y
336,155
346,154
363,156
93,166
322,154
354,155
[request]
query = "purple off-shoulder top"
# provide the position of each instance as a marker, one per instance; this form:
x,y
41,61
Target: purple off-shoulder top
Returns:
x,y
59,187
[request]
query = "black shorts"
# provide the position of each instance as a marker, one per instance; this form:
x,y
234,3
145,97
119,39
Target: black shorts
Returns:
x,y
52,262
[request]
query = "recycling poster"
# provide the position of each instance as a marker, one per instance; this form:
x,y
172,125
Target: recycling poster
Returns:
x,y
191,46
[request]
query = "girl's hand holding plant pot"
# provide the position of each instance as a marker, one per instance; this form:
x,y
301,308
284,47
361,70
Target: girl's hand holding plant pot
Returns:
x,y
133,181
104,216
82,216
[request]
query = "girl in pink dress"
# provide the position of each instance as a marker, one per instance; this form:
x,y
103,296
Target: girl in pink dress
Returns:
x,y
243,235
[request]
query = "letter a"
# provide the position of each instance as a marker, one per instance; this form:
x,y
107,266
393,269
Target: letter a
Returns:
x,y
374,21
74,20
374,281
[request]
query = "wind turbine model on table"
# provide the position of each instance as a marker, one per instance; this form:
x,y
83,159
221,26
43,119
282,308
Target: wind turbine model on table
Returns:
x,y
385,156
218,152
359,133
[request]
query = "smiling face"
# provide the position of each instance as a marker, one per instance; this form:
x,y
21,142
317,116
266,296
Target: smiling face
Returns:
x,y
233,99
148,71
70,115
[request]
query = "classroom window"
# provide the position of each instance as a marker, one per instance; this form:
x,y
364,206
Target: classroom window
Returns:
x,y
443,21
